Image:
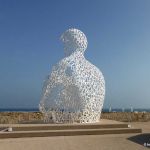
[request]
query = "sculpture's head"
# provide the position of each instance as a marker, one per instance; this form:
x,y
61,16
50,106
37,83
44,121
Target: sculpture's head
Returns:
x,y
74,40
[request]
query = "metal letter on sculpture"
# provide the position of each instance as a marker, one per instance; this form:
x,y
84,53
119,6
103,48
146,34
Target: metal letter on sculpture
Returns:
x,y
75,89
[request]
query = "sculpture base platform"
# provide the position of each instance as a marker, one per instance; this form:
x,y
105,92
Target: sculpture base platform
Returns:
x,y
47,130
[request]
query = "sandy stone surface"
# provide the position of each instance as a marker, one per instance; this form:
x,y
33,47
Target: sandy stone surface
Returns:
x,y
99,142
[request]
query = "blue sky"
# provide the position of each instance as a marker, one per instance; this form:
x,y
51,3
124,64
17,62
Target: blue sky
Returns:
x,y
118,33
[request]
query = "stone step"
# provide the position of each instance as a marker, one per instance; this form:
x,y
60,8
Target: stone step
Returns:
x,y
74,132
68,127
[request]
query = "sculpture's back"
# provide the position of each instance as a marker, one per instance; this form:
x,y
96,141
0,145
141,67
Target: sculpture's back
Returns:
x,y
74,91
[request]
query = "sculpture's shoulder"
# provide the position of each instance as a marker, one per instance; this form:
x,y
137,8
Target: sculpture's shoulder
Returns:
x,y
70,66
60,65
64,63
93,69
62,68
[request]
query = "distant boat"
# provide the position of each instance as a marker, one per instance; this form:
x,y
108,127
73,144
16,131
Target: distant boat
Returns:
x,y
131,109
110,109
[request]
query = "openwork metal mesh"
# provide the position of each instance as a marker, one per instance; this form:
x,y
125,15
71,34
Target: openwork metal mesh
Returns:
x,y
75,89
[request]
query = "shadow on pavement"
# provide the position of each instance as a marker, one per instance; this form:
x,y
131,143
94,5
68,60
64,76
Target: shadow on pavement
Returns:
x,y
142,139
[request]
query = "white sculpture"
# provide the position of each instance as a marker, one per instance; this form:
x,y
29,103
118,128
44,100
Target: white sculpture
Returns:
x,y
75,89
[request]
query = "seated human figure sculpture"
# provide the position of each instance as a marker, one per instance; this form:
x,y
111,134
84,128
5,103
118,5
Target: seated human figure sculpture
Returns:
x,y
75,89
